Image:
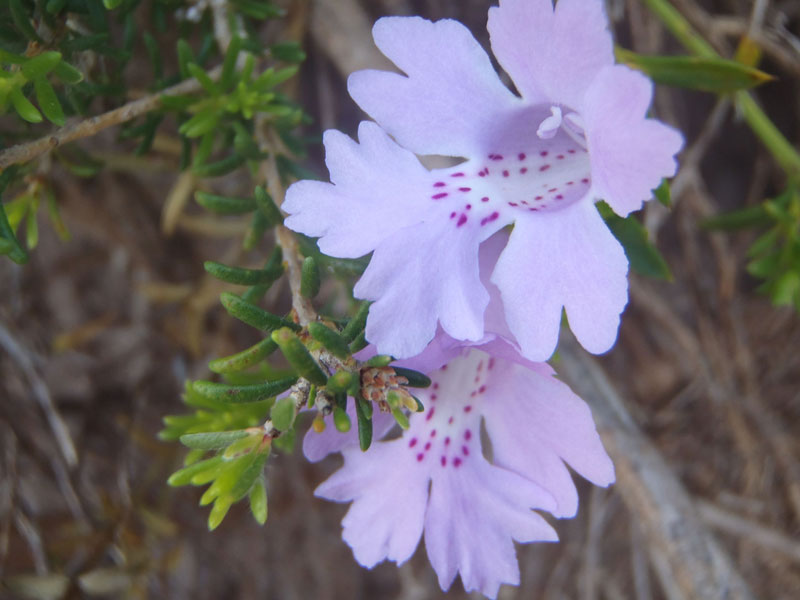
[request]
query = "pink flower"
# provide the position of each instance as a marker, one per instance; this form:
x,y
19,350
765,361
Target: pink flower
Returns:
x,y
577,132
435,479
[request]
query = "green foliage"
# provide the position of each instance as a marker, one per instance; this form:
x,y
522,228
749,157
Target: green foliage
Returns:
x,y
775,255
706,74
643,256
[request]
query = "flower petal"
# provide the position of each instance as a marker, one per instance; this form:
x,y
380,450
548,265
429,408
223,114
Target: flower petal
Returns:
x,y
389,493
552,55
419,276
561,259
377,188
630,154
451,96
535,423
474,513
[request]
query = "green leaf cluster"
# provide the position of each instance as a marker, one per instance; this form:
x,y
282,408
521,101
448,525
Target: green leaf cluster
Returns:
x,y
775,254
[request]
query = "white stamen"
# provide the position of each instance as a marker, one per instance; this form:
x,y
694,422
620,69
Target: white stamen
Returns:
x,y
549,127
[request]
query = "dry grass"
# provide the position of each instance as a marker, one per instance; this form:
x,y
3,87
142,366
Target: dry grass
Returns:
x,y
98,334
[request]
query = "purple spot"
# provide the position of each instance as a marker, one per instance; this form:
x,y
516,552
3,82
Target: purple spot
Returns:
x,y
469,206
496,157
544,168
560,157
584,180
452,215
513,204
521,156
427,446
456,462
571,151
420,456
433,433
543,153
459,174
444,461
412,443
435,386
490,218
481,389
537,198
551,190
465,450
491,364
439,184
447,441
468,435
439,196
485,199
505,173
461,220
570,183
450,421
430,414
467,408
559,197
433,397
523,170
464,189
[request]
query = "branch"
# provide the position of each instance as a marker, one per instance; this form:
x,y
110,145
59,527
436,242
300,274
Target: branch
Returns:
x,y
653,494
24,152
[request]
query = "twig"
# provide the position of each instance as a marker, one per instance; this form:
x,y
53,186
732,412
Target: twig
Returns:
x,y
42,395
692,557
748,530
24,152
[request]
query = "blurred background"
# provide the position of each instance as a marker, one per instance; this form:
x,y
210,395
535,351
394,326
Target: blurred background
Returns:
x,y
98,335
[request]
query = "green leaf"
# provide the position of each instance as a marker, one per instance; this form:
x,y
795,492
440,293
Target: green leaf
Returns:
x,y
330,339
67,73
663,193
40,65
643,256
297,354
258,501
19,15
244,359
288,51
267,206
111,4
309,278
272,78
202,77
24,108
225,205
240,394
220,167
226,78
340,382
752,216
55,6
253,315
211,440
356,325
184,476
16,253
242,276
359,343
185,56
716,75
415,378
283,413
364,425
48,101
218,512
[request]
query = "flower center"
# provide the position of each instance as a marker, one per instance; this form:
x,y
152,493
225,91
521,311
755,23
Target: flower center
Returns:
x,y
539,163
448,432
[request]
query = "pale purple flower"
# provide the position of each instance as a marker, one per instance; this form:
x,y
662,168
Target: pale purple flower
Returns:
x,y
577,132
435,479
